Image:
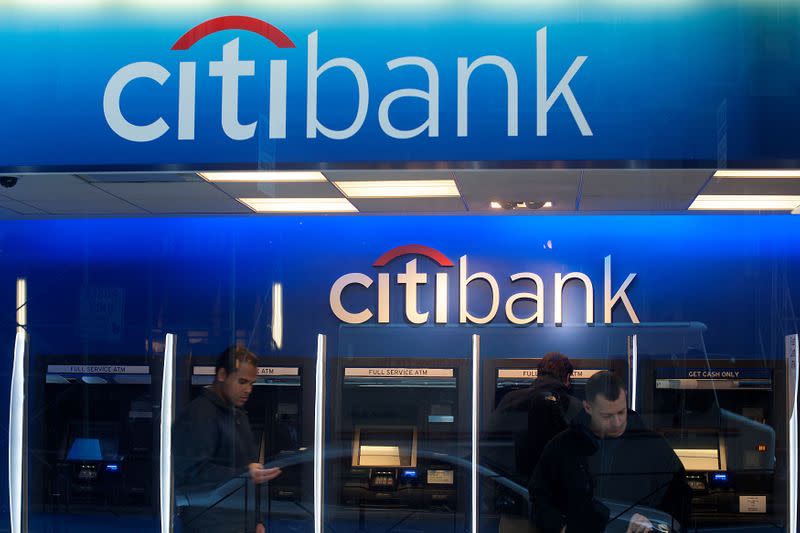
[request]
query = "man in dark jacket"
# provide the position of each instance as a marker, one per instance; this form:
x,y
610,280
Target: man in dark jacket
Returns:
x,y
530,417
213,442
606,454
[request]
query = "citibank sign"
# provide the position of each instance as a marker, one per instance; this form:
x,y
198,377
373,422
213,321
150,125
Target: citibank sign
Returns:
x,y
413,281
231,69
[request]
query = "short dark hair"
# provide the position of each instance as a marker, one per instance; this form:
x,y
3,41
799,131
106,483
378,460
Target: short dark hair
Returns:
x,y
555,364
233,357
606,383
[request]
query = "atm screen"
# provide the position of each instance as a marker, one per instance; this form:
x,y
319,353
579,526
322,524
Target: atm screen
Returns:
x,y
699,459
85,450
385,447
698,452
97,442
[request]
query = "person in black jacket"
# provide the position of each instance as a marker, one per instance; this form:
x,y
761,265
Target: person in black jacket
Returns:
x,y
531,416
552,408
606,454
213,442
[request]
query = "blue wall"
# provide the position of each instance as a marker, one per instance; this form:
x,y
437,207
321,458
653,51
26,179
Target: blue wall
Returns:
x,y
737,274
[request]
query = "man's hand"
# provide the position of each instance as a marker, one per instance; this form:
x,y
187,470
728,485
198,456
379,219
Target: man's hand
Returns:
x,y
261,475
639,524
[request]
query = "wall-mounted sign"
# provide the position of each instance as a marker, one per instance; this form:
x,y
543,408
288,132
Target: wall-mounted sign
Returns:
x,y
714,378
341,82
532,373
381,372
262,371
97,369
414,281
715,373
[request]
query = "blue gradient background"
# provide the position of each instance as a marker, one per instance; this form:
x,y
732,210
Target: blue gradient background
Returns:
x,y
683,84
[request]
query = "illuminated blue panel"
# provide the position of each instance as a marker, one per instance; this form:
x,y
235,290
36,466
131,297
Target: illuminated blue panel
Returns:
x,y
83,449
652,86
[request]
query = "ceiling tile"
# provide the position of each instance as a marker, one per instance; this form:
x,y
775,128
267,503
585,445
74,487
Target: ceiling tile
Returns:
x,y
141,177
480,187
188,197
15,206
641,190
66,194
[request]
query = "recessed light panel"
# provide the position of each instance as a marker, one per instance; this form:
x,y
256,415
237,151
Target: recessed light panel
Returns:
x,y
266,176
399,188
733,202
768,174
299,205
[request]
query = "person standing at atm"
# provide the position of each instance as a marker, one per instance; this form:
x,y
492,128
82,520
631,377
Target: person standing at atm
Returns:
x,y
552,407
531,416
606,454
213,442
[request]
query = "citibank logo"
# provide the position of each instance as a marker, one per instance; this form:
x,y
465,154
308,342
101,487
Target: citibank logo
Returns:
x,y
414,281
231,70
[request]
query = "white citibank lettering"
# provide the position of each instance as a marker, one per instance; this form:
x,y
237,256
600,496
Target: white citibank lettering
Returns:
x,y
231,70
412,280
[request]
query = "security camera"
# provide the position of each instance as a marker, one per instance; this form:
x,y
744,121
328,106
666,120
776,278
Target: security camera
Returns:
x,y
8,181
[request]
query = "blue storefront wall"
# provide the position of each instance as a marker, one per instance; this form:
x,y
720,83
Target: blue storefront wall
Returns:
x,y
217,274
106,288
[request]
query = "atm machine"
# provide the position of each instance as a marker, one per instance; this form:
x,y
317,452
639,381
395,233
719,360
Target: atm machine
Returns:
x,y
727,420
94,447
720,417
510,356
279,415
403,426
505,429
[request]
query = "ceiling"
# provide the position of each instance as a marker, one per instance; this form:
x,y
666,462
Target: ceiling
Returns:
x,y
570,191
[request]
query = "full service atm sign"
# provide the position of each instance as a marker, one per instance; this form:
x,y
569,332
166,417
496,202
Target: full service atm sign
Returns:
x,y
414,281
231,68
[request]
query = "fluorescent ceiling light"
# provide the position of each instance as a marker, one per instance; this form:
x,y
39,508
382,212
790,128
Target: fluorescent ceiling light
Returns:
x,y
757,174
495,205
263,176
299,205
548,204
399,188
751,202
